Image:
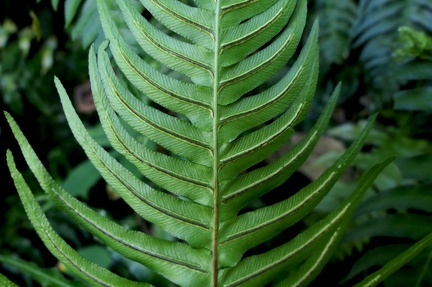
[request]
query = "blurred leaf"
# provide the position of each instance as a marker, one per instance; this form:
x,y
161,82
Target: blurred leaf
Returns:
x,y
413,226
337,19
96,253
413,70
377,256
10,95
45,277
6,29
418,99
87,27
36,26
415,44
351,131
98,134
25,36
6,282
55,3
396,263
418,268
411,276
81,179
400,197
340,192
70,10
416,167
376,36
47,54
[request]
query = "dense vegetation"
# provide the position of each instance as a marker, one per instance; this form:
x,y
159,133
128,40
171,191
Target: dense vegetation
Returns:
x,y
380,50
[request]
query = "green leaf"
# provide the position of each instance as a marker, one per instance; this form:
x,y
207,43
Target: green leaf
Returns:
x,y
400,198
186,178
259,269
154,252
380,275
337,21
44,276
413,226
377,256
314,264
184,219
79,181
376,33
71,8
99,254
416,167
6,282
87,270
54,3
418,99
416,44
218,87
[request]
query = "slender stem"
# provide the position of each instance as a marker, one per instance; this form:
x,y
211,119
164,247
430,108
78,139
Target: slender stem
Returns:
x,y
215,239
424,270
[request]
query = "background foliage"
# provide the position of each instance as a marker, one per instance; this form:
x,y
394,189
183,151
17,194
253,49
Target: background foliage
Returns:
x,y
382,52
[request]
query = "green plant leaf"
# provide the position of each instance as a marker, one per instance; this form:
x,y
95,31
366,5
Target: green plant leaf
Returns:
x,y
380,275
257,269
413,226
377,34
400,198
418,99
155,252
71,8
87,270
377,256
81,179
416,167
416,44
44,276
313,265
225,86
6,282
337,21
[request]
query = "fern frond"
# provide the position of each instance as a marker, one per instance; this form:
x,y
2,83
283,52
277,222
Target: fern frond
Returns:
x,y
377,32
259,269
135,245
313,265
223,107
337,21
88,270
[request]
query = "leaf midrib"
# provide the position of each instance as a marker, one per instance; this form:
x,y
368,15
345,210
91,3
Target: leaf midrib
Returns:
x,y
215,128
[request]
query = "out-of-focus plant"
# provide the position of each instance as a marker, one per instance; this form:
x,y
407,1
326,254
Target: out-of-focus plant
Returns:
x,y
416,44
31,52
359,39
376,35
396,210
347,54
18,70
415,48
82,20
383,56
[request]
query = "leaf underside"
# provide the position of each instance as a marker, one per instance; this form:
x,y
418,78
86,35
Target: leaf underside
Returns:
x,y
226,107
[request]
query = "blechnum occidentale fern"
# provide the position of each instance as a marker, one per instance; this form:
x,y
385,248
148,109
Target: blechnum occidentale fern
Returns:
x,y
220,121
